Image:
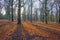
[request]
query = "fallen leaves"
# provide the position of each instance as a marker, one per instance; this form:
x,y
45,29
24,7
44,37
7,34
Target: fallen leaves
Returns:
x,y
7,30
32,30
28,30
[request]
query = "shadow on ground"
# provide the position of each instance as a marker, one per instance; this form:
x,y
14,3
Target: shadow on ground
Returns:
x,y
21,34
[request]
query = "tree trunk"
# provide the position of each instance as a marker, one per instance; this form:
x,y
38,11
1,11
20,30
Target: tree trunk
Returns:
x,y
12,9
51,14
31,11
36,15
19,12
24,15
59,14
56,14
46,21
8,11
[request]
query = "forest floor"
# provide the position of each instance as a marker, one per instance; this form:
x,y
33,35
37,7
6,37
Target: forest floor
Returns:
x,y
29,31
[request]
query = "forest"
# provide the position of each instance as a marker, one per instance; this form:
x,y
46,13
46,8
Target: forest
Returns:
x,y
29,19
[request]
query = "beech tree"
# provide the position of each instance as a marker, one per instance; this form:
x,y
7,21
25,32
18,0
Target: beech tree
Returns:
x,y
11,9
58,2
31,11
19,12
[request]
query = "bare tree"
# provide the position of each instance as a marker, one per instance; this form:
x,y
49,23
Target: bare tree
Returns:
x,y
19,12
31,11
8,9
45,2
11,8
58,1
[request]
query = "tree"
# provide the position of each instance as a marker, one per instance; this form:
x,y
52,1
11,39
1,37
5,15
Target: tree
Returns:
x,y
8,10
28,11
58,1
51,13
41,11
46,21
56,13
24,14
1,16
51,10
36,14
11,8
31,12
19,12
59,13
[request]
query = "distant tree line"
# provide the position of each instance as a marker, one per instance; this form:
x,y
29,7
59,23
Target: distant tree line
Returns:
x,y
45,12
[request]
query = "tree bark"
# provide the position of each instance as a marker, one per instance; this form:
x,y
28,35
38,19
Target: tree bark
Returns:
x,y
59,14
12,9
19,12
46,21
31,11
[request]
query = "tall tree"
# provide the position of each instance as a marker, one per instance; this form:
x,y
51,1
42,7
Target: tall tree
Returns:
x,y
51,6
56,13
19,12
58,1
41,11
11,8
46,21
59,13
24,14
36,15
31,11
28,12
8,10
51,13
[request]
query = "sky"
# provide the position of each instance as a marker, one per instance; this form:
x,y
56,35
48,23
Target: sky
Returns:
x,y
3,9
